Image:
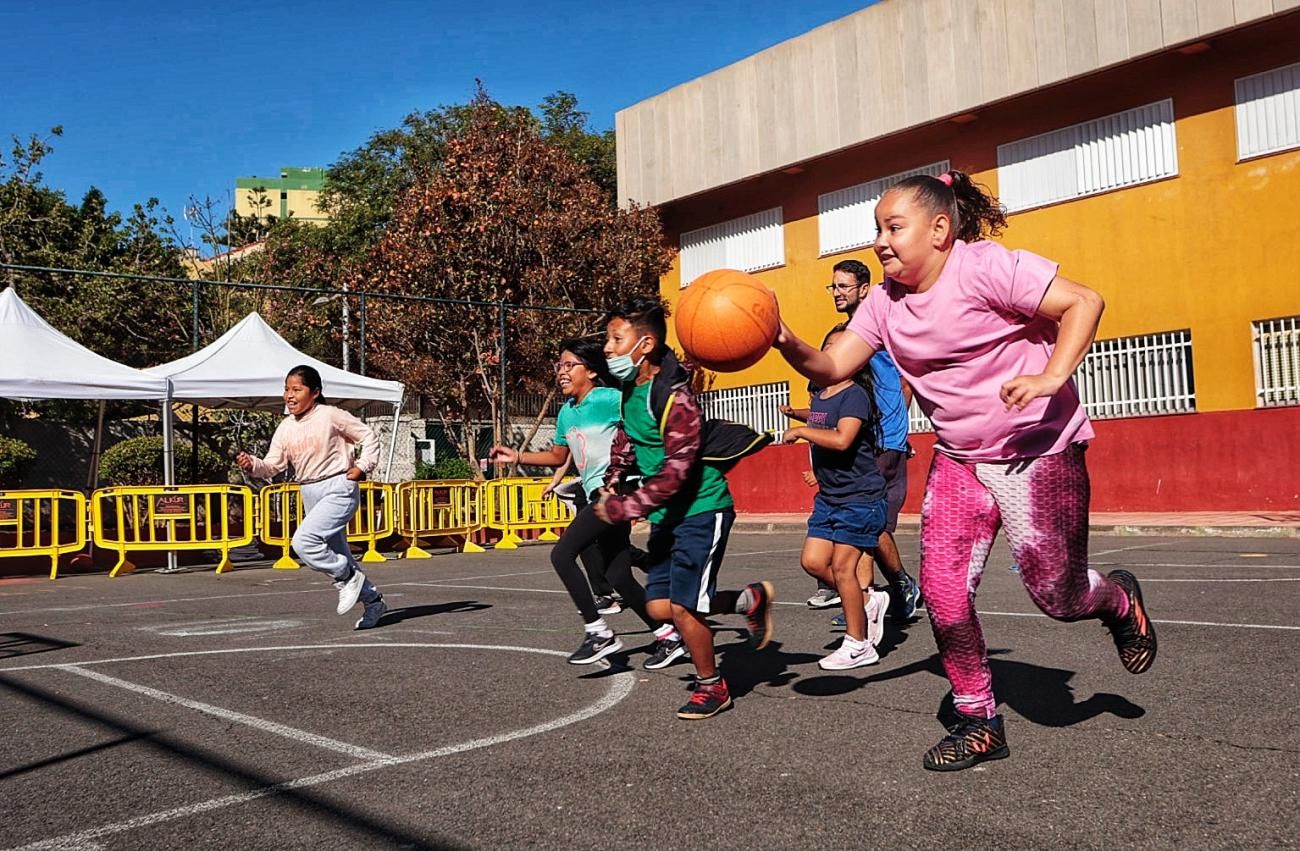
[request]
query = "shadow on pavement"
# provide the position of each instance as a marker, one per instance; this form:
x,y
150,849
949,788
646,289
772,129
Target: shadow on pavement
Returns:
x,y
396,616
1037,693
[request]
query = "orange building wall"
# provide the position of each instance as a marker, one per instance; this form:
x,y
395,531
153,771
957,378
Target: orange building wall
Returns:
x,y
1211,249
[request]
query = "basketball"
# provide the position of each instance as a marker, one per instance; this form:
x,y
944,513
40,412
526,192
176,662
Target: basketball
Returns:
x,y
726,321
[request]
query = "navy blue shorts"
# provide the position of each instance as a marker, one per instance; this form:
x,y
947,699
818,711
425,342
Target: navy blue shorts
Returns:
x,y
683,559
857,524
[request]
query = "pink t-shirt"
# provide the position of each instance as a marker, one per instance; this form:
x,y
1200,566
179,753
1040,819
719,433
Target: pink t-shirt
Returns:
x,y
318,444
958,342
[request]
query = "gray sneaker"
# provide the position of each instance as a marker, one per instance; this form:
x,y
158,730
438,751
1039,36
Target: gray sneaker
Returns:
x,y
824,598
375,610
350,591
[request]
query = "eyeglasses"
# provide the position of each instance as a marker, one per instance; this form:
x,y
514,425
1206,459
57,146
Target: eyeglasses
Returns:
x,y
566,365
842,288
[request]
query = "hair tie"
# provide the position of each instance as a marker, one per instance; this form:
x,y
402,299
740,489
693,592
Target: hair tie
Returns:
x,y
946,178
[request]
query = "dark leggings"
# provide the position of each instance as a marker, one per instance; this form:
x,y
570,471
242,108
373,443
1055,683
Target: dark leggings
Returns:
x,y
590,536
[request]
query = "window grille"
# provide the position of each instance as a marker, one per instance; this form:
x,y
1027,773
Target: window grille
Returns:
x,y
1277,361
1138,376
756,405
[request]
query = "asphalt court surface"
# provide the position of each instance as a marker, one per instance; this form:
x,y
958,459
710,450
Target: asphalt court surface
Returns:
x,y
196,711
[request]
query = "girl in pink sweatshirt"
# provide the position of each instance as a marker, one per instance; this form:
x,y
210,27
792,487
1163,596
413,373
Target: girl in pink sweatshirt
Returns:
x,y
317,440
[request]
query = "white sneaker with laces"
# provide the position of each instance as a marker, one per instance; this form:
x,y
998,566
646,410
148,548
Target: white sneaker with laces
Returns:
x,y
375,610
845,656
350,591
877,605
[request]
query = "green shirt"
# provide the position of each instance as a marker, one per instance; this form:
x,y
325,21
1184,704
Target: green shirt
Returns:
x,y
705,487
588,429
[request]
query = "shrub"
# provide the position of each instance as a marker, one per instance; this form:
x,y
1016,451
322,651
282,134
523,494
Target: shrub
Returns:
x,y
15,457
138,461
451,467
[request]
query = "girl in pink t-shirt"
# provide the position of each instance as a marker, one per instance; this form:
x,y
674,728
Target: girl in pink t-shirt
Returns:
x,y
988,340
317,440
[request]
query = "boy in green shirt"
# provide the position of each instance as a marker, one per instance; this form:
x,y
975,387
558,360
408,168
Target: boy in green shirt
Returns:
x,y
686,500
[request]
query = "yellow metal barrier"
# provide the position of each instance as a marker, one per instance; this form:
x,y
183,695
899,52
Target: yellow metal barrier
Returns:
x,y
514,505
447,508
172,517
282,511
42,523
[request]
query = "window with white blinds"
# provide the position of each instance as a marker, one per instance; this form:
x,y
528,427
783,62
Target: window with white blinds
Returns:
x,y
1138,376
1125,149
749,244
1277,361
1268,112
846,218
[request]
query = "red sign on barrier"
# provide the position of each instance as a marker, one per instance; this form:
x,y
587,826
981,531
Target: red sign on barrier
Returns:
x,y
8,509
171,505
442,496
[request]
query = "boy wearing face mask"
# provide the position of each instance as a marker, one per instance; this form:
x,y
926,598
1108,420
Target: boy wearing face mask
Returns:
x,y
682,493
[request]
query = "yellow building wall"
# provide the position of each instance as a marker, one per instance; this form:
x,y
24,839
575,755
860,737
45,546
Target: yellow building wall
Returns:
x,y
1212,249
303,204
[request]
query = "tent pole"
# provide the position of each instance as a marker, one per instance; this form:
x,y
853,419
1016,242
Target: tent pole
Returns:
x,y
92,475
169,475
392,440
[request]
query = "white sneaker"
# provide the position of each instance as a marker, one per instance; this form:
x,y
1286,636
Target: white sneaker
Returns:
x,y
350,591
375,610
877,605
846,657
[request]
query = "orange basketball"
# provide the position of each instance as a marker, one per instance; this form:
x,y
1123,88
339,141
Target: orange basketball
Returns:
x,y
726,321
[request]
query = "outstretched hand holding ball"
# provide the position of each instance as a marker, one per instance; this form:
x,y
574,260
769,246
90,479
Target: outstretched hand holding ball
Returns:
x,y
727,320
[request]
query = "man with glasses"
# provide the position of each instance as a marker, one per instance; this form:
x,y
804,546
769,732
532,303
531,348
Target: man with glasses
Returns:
x,y
850,280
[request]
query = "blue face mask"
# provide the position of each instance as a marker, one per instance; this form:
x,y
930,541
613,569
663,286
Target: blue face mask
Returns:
x,y
623,367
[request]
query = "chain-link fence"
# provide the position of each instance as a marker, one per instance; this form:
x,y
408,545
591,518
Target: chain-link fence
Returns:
x,y
476,371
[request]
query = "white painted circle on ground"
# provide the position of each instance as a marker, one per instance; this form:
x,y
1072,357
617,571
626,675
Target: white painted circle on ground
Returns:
x,y
619,687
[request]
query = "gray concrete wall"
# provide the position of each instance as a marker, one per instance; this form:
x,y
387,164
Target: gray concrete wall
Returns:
x,y
891,66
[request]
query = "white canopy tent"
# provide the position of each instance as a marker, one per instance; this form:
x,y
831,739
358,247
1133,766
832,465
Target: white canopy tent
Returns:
x,y
39,362
246,366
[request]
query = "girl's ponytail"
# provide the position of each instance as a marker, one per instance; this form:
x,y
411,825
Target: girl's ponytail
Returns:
x,y
975,213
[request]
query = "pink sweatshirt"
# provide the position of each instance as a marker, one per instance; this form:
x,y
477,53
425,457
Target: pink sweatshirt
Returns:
x,y
318,444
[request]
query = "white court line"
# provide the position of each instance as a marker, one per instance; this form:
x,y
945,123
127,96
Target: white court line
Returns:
x,y
802,605
1274,579
982,613
1221,565
764,553
495,575
147,603
620,686
482,587
265,726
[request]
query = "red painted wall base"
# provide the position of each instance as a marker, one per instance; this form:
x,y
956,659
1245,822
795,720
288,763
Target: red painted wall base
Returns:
x,y
1220,461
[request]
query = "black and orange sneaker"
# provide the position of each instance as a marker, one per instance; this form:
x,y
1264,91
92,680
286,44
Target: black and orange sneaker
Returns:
x,y
1134,634
707,700
970,741
759,614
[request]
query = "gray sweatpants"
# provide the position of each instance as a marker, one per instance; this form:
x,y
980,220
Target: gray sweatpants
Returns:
x,y
322,539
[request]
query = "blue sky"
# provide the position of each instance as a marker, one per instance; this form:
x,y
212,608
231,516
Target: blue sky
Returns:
x,y
171,100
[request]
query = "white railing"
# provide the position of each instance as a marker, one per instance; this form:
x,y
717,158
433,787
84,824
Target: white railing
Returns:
x,y
1138,376
917,421
1277,361
756,405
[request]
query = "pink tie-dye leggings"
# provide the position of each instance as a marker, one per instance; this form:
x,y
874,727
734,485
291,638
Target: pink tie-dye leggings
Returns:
x,y
1042,503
